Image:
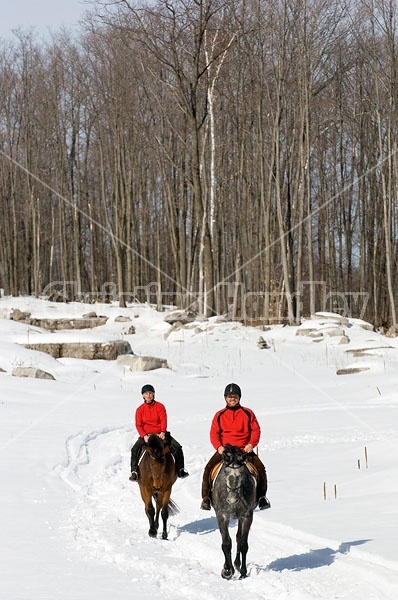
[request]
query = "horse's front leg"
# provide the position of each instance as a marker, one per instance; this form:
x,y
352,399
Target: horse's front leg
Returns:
x,y
226,545
165,513
242,545
150,513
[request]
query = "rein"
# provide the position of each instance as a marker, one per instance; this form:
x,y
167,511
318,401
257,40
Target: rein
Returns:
x,y
157,457
235,467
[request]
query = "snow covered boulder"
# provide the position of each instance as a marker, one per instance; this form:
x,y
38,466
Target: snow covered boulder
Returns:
x,y
392,332
315,334
307,331
142,363
19,315
338,332
181,316
95,351
83,350
330,318
31,372
65,324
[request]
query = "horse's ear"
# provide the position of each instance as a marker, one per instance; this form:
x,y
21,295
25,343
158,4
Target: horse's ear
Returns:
x,y
242,457
227,454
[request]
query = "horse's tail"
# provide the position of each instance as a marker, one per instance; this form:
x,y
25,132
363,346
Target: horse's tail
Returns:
x,y
173,508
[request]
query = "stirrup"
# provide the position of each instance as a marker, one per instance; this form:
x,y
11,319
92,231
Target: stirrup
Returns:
x,y
134,476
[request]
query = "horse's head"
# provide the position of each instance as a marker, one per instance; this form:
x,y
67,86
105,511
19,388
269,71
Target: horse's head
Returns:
x,y
157,451
156,447
233,456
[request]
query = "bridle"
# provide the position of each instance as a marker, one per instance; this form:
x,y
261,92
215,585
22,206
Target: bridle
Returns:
x,y
232,488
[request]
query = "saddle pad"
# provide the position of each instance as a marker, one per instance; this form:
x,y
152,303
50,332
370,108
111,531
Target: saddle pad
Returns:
x,y
252,469
216,469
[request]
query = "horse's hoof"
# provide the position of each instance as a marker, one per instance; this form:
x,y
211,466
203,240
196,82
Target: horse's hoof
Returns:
x,y
227,573
164,535
243,576
152,533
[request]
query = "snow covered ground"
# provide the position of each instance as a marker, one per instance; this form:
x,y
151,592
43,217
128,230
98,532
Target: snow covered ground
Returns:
x,y
72,524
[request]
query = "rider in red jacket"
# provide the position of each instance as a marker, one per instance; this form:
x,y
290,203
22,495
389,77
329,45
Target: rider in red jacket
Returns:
x,y
151,417
238,426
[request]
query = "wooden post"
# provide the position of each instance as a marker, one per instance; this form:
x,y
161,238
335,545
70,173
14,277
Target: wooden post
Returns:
x,y
366,457
359,463
335,491
324,490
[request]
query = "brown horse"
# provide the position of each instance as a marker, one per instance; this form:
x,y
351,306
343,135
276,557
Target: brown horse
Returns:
x,y
156,479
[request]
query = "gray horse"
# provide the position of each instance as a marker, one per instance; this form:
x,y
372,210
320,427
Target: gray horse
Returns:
x,y
234,497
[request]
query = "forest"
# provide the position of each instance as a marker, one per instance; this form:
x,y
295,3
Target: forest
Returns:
x,y
233,157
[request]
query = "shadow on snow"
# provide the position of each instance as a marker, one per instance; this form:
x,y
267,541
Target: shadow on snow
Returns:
x,y
313,559
202,526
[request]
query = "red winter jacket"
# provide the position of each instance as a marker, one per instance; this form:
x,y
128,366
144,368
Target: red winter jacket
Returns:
x,y
150,418
237,426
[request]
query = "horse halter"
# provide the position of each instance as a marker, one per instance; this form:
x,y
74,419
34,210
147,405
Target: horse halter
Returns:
x,y
156,455
233,484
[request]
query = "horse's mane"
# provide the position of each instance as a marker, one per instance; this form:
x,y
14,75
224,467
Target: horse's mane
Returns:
x,y
156,445
233,454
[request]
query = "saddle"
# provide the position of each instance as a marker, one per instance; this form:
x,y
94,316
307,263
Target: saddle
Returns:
x,y
216,469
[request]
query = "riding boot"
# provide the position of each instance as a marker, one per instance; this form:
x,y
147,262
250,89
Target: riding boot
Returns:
x,y
206,481
135,457
262,483
179,460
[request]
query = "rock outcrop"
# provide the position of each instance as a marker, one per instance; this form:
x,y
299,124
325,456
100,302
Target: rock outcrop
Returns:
x,y
142,363
83,350
87,321
31,372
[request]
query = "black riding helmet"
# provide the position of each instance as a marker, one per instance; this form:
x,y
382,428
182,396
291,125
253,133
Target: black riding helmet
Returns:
x,y
147,388
232,389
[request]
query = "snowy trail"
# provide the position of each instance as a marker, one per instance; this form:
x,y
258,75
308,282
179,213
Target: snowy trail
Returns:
x,y
78,530
108,525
